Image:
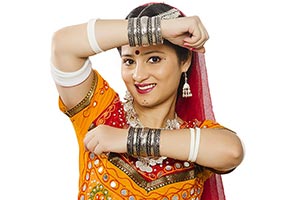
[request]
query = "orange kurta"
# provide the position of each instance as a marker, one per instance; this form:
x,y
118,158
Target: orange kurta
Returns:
x,y
115,176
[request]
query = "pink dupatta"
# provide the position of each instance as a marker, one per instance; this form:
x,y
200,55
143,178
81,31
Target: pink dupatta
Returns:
x,y
199,106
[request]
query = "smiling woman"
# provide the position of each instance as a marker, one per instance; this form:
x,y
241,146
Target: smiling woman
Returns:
x,y
163,141
152,77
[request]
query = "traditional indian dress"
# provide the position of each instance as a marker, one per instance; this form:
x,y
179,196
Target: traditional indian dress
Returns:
x,y
119,176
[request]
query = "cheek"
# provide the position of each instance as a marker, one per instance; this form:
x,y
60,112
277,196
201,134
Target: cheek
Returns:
x,y
126,75
169,75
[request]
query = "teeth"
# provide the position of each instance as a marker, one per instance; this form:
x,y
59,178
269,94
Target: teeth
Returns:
x,y
146,87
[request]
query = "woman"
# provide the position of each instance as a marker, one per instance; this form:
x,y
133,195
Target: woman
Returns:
x,y
163,141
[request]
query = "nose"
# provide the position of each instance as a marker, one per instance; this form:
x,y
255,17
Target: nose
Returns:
x,y
139,73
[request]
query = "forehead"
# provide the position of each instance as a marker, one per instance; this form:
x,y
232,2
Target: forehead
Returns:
x,y
127,50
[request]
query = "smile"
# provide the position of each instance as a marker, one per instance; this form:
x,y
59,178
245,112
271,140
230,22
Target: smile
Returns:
x,y
145,88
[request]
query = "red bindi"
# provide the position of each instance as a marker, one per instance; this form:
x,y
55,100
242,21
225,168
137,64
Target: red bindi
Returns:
x,y
137,52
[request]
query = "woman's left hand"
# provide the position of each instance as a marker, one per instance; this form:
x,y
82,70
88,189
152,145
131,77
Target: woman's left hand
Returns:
x,y
188,32
105,138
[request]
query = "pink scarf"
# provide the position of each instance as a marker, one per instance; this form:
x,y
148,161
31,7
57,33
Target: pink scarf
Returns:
x,y
199,107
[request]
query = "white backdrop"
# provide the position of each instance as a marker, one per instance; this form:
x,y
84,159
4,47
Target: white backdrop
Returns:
x,y
252,59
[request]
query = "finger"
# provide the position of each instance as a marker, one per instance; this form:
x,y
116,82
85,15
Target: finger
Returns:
x,y
91,145
89,136
98,149
201,50
192,38
195,43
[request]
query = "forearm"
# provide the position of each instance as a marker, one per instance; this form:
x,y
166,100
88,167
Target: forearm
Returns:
x,y
70,45
220,149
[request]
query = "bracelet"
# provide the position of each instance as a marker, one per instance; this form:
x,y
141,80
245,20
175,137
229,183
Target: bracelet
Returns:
x,y
92,36
158,35
131,32
130,141
143,142
69,79
144,31
197,144
194,143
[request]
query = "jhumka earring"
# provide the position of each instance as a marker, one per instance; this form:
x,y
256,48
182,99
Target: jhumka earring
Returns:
x,y
186,90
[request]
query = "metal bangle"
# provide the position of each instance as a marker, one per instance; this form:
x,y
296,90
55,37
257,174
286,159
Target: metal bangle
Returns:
x,y
144,31
130,30
143,142
130,141
149,31
158,34
138,32
156,142
135,31
153,28
138,142
134,143
149,137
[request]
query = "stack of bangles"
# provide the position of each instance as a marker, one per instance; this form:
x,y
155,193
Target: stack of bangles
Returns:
x,y
145,142
144,31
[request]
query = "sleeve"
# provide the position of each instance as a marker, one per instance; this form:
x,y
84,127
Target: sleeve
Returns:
x,y
99,97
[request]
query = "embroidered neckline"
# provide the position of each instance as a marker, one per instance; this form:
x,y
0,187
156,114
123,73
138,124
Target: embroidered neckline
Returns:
x,y
133,120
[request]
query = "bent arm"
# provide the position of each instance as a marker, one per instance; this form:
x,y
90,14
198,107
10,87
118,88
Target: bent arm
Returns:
x,y
219,149
71,48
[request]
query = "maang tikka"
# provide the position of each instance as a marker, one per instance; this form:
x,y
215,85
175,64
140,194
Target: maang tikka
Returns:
x,y
186,90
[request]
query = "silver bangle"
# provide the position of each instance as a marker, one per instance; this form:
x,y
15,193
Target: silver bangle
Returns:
x,y
158,35
144,31
149,31
135,32
156,143
130,30
138,32
143,142
153,29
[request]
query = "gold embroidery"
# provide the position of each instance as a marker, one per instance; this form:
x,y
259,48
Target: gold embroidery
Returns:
x,y
85,101
149,186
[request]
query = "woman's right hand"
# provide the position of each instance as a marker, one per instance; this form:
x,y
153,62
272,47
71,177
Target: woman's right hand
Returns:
x,y
187,32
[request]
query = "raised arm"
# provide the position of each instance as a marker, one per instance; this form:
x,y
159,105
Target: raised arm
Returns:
x,y
71,48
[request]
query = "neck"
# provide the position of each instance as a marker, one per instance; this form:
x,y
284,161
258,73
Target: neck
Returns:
x,y
157,116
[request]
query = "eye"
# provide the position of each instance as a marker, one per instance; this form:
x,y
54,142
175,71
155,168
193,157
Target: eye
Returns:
x,y
128,61
154,59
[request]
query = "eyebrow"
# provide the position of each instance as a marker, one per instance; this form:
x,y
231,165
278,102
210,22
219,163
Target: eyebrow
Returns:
x,y
144,53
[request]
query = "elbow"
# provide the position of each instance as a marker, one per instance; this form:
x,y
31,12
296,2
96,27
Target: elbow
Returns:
x,y
232,157
58,45
235,155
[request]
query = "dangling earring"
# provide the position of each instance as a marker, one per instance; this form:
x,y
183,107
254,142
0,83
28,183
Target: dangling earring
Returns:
x,y
186,90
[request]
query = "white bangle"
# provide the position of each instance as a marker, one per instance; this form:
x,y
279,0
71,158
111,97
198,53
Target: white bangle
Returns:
x,y
197,144
92,36
192,143
69,79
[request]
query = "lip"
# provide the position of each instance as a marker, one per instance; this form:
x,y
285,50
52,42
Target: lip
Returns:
x,y
145,87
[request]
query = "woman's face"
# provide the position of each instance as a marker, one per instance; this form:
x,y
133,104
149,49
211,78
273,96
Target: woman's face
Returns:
x,y
151,74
